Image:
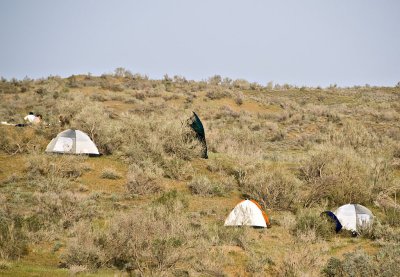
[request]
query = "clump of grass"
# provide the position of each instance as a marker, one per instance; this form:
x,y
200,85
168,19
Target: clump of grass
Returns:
x,y
15,140
359,263
64,166
140,182
273,188
302,260
77,269
203,186
310,226
59,211
13,237
239,99
217,94
258,262
341,175
4,265
147,241
110,173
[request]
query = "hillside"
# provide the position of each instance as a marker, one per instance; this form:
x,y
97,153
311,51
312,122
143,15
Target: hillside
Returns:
x,y
149,206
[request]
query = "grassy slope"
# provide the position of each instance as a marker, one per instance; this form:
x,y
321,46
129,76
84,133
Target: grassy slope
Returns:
x,y
277,241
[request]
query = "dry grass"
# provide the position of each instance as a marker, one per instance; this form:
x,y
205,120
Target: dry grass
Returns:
x,y
151,206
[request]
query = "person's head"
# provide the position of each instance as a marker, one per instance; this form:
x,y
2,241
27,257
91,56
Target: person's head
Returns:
x,y
31,113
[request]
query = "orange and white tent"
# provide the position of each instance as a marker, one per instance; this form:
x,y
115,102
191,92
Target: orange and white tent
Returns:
x,y
247,212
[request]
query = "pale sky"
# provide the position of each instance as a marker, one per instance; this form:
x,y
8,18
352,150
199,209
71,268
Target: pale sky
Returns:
x,y
299,42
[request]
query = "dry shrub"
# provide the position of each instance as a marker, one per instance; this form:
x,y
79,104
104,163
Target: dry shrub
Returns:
x,y
17,140
275,187
209,264
217,94
77,269
286,219
258,263
221,165
147,241
110,173
141,181
61,209
340,175
201,185
238,142
323,111
301,260
85,249
13,237
239,98
105,132
54,173
393,217
354,264
381,232
355,135
170,203
165,146
50,183
241,84
358,263
4,265
218,234
181,142
175,168
311,226
55,165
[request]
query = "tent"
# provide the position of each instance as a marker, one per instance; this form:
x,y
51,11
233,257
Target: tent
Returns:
x,y
72,142
332,217
247,212
354,217
197,127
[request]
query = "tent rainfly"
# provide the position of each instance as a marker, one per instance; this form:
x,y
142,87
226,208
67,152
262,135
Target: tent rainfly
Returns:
x,y
247,212
197,127
334,219
72,142
354,217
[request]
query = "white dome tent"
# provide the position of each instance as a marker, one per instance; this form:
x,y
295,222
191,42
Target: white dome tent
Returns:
x,y
72,142
247,212
354,217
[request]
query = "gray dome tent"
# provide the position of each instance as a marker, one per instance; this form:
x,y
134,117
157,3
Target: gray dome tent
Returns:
x,y
354,217
72,142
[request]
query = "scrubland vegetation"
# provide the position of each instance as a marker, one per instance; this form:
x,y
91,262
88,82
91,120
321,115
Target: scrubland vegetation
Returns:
x,y
151,207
